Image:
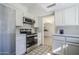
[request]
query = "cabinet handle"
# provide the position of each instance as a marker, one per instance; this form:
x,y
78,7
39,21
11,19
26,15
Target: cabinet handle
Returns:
x,y
74,44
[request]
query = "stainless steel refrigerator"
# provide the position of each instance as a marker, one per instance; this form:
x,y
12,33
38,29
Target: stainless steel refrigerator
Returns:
x,y
7,30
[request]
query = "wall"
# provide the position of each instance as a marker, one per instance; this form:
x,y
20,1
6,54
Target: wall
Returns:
x,y
69,29
48,19
40,31
24,26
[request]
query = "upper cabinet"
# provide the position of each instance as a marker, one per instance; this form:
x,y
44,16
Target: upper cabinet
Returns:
x,y
19,17
59,18
70,16
67,16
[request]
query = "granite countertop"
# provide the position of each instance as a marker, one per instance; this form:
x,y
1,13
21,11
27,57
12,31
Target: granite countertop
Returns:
x,y
67,35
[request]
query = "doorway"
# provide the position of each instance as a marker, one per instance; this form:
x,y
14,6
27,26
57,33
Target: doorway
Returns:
x,y
49,29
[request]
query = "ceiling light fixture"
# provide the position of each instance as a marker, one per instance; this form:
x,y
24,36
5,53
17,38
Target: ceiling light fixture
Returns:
x,y
51,5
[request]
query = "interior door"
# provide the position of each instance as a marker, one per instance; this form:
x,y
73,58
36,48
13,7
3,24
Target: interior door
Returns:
x,y
72,49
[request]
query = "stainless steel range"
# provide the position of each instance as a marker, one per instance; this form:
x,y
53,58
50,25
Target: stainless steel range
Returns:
x,y
31,40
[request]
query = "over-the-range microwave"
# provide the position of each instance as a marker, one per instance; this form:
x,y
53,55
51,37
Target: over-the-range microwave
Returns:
x,y
28,20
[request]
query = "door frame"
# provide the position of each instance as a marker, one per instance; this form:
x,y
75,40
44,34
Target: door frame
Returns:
x,y
43,26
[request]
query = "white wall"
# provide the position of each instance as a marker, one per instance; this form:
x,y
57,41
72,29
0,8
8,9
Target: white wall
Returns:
x,y
72,30
48,19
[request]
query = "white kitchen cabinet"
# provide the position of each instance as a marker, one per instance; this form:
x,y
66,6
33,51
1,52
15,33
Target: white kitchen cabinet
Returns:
x,y
72,49
72,39
20,44
59,38
72,46
19,17
58,47
66,45
67,16
58,18
58,44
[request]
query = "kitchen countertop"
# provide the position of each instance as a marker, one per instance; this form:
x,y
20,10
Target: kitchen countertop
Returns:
x,y
67,35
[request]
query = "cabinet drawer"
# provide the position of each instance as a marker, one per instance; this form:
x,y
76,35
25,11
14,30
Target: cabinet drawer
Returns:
x,y
59,38
75,40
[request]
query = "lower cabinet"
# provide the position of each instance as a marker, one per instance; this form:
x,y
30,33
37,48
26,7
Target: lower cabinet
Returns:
x,y
71,49
58,47
20,44
67,46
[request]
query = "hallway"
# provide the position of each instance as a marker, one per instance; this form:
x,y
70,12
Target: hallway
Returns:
x,y
48,41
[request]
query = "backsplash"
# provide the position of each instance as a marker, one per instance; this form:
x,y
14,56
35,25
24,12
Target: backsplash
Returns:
x,y
73,30
26,26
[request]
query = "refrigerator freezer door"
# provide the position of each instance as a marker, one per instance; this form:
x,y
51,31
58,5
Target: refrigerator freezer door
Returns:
x,y
7,30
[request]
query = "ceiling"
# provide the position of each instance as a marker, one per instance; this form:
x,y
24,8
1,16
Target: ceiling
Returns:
x,y
56,7
42,7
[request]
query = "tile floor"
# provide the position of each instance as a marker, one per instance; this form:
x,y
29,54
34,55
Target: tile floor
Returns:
x,y
41,50
48,40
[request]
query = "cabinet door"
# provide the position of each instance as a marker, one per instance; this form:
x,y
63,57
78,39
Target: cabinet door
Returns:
x,y
69,16
58,47
59,38
19,18
20,44
59,18
72,39
72,49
